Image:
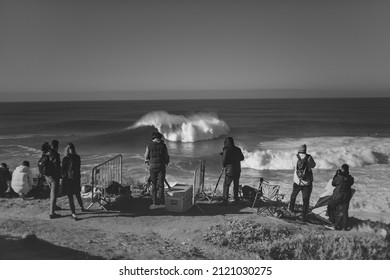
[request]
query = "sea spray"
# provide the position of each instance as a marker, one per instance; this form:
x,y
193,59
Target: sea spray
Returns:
x,y
179,128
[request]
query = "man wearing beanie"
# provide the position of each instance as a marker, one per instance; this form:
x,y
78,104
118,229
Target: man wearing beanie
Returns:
x,y
303,179
157,157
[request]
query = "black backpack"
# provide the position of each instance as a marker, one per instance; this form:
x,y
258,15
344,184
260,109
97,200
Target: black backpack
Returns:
x,y
303,171
45,166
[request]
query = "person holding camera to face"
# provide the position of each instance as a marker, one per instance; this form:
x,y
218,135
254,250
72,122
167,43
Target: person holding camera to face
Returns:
x,y
231,161
342,194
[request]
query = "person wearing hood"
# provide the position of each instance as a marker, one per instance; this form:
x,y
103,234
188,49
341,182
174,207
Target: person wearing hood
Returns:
x,y
22,179
71,175
5,176
157,157
303,180
231,162
342,194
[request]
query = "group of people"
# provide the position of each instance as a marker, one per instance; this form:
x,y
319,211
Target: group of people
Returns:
x,y
157,157
53,170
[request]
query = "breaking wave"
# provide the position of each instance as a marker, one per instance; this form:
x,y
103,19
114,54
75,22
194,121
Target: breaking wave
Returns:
x,y
328,152
179,128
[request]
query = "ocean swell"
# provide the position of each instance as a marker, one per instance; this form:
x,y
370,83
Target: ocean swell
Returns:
x,y
328,152
179,128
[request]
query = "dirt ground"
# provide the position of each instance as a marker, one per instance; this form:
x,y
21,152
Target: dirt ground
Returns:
x,y
26,232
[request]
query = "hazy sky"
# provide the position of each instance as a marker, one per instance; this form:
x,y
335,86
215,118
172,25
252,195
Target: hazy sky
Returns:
x,y
51,47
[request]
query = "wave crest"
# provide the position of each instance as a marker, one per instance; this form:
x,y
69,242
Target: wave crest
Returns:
x,y
328,152
179,128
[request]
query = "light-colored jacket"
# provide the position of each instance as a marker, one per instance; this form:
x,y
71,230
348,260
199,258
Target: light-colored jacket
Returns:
x,y
22,180
311,164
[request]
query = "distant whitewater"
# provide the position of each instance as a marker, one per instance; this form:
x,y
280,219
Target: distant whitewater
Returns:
x,y
328,152
178,128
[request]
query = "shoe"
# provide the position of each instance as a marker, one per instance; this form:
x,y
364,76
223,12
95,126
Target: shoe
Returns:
x,y
54,216
83,210
330,227
57,208
75,217
153,206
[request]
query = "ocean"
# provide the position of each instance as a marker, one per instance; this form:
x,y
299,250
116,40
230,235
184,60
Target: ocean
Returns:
x,y
269,131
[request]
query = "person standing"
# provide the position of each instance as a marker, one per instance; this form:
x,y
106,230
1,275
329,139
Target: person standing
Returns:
x,y
47,167
5,176
57,166
71,177
22,179
231,161
342,194
157,157
303,179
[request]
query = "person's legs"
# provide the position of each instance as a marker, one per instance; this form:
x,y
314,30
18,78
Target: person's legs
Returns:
x,y
160,186
236,182
153,178
53,193
306,192
71,203
226,184
294,194
80,200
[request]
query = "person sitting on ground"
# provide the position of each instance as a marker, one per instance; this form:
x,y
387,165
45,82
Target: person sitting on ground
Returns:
x,y
231,161
22,179
5,176
71,176
339,202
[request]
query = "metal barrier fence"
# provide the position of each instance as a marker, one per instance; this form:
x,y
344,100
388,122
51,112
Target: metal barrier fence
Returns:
x,y
199,173
102,175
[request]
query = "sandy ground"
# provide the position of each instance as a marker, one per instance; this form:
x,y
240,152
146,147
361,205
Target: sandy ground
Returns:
x,y
26,232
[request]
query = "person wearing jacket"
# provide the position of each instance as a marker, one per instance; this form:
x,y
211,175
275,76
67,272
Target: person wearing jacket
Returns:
x,y
231,162
156,155
22,179
71,176
302,184
342,194
5,176
53,178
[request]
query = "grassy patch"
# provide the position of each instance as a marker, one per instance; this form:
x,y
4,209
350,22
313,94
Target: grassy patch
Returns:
x,y
271,242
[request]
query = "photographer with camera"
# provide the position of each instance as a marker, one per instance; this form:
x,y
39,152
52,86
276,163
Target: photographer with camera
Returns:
x,y
342,194
231,161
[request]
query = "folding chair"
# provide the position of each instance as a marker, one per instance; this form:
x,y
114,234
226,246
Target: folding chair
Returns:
x,y
268,198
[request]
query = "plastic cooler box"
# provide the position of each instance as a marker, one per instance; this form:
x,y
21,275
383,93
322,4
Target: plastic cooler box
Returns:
x,y
178,198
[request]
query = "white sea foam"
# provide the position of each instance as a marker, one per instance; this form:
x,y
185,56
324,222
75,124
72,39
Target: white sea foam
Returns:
x,y
179,128
328,152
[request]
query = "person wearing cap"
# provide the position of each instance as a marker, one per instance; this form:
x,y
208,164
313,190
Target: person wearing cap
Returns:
x,y
22,179
5,176
339,202
303,183
157,157
71,175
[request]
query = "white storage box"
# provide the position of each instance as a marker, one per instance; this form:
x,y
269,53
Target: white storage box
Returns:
x,y
178,198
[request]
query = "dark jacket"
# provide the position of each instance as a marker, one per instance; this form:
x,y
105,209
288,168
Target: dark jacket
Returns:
x,y
56,160
157,154
231,160
70,169
342,183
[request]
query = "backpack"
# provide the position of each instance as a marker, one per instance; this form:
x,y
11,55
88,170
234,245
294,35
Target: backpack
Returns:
x,y
303,171
45,166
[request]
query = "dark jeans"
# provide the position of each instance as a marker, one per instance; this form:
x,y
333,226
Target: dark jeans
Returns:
x,y
157,177
71,202
54,185
338,212
306,192
235,178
